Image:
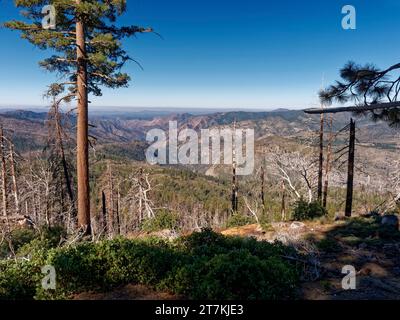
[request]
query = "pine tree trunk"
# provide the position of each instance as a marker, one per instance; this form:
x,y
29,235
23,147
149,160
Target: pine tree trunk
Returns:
x,y
82,131
350,170
3,173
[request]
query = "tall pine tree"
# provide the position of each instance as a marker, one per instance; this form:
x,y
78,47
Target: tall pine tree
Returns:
x,y
88,54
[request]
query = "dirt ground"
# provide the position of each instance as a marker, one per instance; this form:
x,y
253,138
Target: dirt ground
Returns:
x,y
376,262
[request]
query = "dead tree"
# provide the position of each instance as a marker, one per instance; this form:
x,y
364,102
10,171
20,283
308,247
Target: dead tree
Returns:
x,y
104,211
262,195
110,188
350,169
283,203
321,158
328,162
117,208
3,172
234,195
14,177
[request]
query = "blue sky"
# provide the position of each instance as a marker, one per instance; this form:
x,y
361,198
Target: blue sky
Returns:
x,y
220,53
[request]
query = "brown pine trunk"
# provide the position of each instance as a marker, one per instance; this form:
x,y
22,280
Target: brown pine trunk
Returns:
x,y
82,131
3,172
14,178
321,158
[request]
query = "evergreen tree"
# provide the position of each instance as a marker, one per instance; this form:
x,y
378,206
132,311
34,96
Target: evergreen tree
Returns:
x,y
374,91
88,54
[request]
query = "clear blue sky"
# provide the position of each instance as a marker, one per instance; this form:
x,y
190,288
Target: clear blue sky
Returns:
x,y
223,53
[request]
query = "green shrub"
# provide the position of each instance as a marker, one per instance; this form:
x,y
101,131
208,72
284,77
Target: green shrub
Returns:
x,y
18,237
21,238
162,220
328,245
307,211
239,220
204,265
241,275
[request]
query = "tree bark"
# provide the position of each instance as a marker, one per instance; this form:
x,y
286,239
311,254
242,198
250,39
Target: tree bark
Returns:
x,y
82,130
350,170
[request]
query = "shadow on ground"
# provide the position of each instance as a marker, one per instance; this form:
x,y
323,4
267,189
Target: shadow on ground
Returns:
x,y
372,249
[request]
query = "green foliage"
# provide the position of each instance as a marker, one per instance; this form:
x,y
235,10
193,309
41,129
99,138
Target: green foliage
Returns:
x,y
162,220
18,238
238,220
204,265
328,245
26,241
104,54
307,211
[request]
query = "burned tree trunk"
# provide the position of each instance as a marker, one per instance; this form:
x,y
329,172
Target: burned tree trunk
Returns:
x,y
328,164
104,211
321,158
110,201
262,195
14,178
350,169
117,211
3,172
283,204
234,195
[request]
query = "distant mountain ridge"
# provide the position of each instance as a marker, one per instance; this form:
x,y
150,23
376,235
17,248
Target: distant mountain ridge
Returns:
x,y
28,128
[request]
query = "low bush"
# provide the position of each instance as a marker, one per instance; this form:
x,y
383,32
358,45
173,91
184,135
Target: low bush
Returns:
x,y
239,220
162,220
308,211
204,265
